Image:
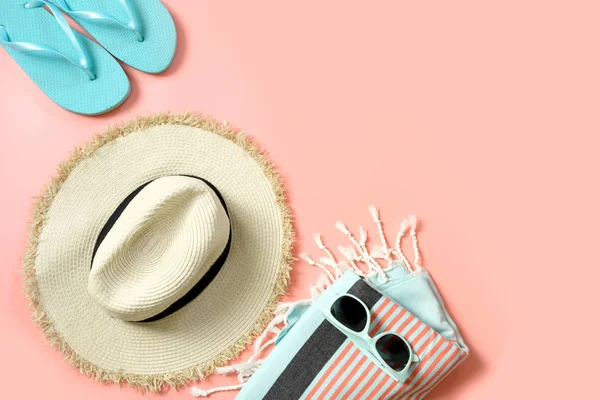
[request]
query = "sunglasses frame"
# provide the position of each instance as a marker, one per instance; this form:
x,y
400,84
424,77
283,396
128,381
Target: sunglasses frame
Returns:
x,y
368,343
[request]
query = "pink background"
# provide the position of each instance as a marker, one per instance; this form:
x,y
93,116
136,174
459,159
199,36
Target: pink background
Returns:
x,y
480,117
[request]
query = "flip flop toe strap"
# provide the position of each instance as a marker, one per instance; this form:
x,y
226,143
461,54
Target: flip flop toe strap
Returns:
x,y
84,62
132,23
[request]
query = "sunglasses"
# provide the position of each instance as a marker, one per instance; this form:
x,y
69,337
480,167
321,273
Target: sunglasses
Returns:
x,y
388,350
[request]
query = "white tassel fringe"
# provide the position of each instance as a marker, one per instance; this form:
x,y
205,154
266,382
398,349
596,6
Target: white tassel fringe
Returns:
x,y
352,256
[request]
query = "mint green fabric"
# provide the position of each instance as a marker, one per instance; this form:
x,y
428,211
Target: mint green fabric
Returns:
x,y
154,54
64,83
415,292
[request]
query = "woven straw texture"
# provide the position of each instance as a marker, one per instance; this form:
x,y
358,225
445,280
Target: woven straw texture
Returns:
x,y
214,327
162,244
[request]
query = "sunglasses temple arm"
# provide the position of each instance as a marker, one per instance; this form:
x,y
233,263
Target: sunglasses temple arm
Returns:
x,y
380,363
387,371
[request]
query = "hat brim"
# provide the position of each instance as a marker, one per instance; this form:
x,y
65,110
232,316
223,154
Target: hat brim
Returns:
x,y
215,326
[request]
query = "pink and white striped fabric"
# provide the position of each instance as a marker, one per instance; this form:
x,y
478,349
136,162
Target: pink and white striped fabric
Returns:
x,y
315,360
351,375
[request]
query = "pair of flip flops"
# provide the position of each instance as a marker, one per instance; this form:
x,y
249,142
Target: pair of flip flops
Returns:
x,y
75,72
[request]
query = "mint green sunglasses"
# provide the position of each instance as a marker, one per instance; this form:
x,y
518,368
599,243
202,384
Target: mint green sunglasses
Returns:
x,y
388,350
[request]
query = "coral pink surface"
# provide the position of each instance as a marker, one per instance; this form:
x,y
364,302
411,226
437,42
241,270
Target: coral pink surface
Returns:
x,y
480,117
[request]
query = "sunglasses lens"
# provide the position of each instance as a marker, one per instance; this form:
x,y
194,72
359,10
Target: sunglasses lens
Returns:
x,y
394,351
350,312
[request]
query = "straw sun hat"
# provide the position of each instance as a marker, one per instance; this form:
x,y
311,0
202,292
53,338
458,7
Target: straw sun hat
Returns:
x,y
159,251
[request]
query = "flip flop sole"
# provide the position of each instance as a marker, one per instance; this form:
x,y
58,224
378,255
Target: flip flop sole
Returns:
x,y
60,80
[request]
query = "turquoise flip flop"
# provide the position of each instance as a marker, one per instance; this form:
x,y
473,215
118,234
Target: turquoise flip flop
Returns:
x,y
73,71
141,33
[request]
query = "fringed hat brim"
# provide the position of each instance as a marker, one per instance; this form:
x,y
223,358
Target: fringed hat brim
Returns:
x,y
216,326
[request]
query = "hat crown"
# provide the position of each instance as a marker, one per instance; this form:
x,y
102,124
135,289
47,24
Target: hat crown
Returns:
x,y
162,244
